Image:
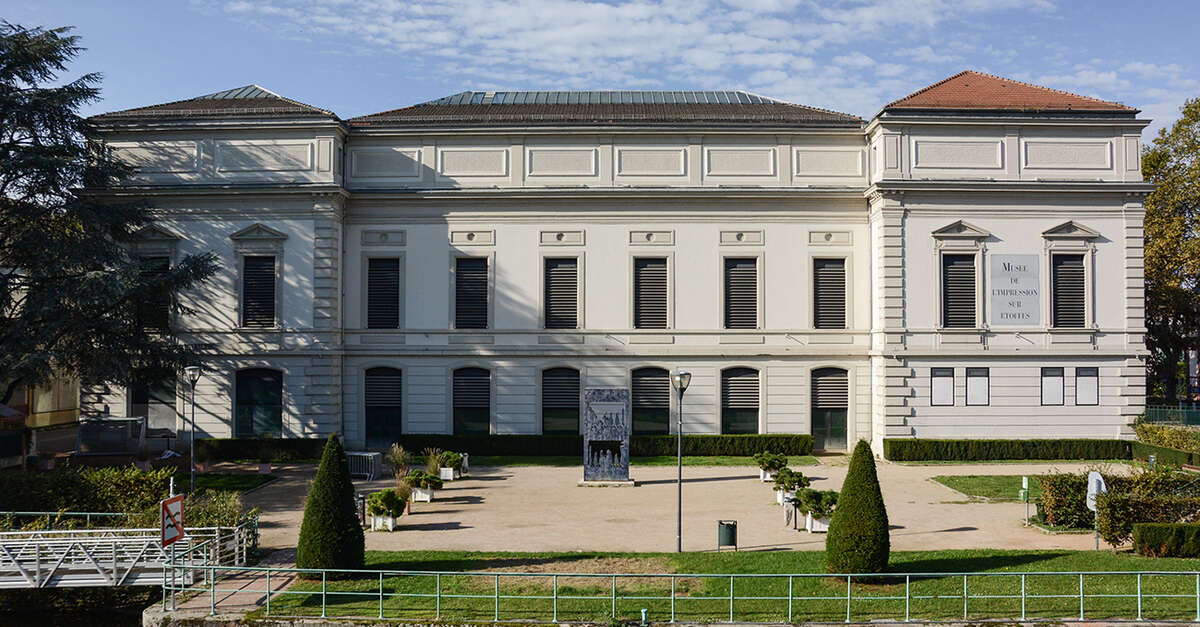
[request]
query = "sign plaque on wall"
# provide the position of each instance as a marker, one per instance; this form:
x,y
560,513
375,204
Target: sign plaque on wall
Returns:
x,y
1016,290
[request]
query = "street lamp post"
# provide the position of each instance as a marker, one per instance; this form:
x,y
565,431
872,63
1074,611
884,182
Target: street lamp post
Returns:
x,y
193,375
679,380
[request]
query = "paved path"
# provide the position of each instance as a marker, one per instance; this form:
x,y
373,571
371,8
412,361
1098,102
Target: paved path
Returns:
x,y
542,509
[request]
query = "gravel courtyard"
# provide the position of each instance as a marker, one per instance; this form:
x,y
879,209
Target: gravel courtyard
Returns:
x,y
537,508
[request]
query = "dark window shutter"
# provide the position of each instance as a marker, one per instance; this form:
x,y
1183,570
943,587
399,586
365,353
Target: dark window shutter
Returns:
x,y
650,293
1069,287
741,293
383,387
958,291
154,312
739,400
560,401
562,293
829,293
382,405
830,389
651,401
383,293
258,292
258,409
472,398
471,293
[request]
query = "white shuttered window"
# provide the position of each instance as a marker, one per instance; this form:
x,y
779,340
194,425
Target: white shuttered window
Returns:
x,y
741,293
829,293
561,298
1069,291
958,291
650,293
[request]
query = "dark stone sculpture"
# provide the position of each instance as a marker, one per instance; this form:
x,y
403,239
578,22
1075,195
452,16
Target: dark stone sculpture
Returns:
x,y
606,429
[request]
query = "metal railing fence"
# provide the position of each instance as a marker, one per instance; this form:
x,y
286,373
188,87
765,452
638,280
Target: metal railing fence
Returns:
x,y
1186,415
667,597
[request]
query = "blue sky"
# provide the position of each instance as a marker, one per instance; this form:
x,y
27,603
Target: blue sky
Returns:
x,y
361,56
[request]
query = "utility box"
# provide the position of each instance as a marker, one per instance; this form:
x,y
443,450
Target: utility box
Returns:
x,y
726,534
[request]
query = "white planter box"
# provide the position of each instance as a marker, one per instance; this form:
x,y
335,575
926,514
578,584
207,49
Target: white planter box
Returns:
x,y
781,496
816,525
422,495
383,523
766,476
447,474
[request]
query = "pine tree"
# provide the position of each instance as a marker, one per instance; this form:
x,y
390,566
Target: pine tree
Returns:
x,y
858,540
330,535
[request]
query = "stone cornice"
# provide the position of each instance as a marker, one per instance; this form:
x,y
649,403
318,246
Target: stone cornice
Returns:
x,y
898,186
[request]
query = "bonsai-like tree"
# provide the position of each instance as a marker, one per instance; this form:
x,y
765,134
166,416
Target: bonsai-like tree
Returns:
x,y
858,540
769,461
330,536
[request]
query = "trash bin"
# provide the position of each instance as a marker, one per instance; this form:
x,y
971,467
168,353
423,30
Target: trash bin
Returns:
x,y
726,534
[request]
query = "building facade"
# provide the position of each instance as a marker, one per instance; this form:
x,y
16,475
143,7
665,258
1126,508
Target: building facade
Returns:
x,y
968,263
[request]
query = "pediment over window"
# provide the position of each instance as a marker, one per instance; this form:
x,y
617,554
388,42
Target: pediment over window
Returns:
x,y
961,230
1070,230
258,232
155,233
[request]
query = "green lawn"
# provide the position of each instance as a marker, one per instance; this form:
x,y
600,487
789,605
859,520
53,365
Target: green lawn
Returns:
x,y
557,460
698,599
225,481
994,487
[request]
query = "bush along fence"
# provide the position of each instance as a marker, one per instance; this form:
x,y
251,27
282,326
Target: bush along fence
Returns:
x,y
1064,495
1167,539
918,449
1180,438
289,449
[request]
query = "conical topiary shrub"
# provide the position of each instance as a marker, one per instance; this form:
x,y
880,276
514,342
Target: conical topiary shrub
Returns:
x,y
330,536
858,540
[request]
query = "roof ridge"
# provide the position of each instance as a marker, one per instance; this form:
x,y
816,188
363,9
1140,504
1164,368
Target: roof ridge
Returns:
x,y
222,95
1007,79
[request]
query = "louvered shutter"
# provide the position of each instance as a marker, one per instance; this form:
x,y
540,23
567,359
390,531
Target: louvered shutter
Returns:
x,y
258,292
830,389
383,293
383,387
1069,288
741,293
651,401
650,293
562,293
472,388
471,293
560,388
739,400
829,293
958,291
155,311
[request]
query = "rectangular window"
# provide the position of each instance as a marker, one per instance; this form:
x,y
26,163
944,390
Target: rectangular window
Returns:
x,y
560,401
258,291
739,400
741,293
1052,386
383,405
651,400
650,293
1087,386
978,386
1069,287
155,311
829,293
561,293
941,386
383,293
958,291
472,398
471,293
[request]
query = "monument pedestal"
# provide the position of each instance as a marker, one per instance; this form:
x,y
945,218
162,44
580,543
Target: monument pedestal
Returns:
x,y
611,483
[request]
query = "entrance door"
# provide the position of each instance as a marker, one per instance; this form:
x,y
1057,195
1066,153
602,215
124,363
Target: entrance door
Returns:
x,y
830,402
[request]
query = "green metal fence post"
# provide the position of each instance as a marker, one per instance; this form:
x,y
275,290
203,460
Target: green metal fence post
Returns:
x,y
439,595
672,598
731,598
555,582
1198,597
381,595
964,597
323,594
847,598
790,582
212,591
1080,596
614,597
1139,596
268,592
907,596
496,598
1022,597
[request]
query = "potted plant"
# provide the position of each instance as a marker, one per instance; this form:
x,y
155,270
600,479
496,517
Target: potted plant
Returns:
x,y
423,485
449,466
817,506
385,507
787,481
399,460
768,464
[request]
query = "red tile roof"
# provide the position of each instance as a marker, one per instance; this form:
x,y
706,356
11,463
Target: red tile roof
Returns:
x,y
976,91
250,101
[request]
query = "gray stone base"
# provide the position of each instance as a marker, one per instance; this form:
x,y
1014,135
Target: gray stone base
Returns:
x,y
607,484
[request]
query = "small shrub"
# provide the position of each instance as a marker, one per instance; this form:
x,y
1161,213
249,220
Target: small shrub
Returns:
x,y
398,460
432,462
1118,513
788,480
424,480
918,449
330,534
859,540
819,503
769,461
385,503
450,459
1167,539
215,508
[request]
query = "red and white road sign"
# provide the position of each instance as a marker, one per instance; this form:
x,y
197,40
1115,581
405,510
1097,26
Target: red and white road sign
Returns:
x,y
171,519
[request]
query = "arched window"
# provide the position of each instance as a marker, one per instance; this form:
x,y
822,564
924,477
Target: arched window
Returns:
x,y
258,410
560,401
830,404
472,396
651,400
739,400
382,391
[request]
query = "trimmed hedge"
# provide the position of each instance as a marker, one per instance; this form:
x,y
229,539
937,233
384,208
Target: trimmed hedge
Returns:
x,y
1163,455
1118,513
1064,495
1167,539
292,449
1175,437
918,449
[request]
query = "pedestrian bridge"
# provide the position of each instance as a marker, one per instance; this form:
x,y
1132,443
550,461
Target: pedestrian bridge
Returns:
x,y
94,557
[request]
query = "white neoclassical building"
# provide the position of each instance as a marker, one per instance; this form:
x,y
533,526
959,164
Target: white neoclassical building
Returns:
x,y
966,264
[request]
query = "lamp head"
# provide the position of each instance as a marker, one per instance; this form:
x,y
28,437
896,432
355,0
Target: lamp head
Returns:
x,y
680,379
193,374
